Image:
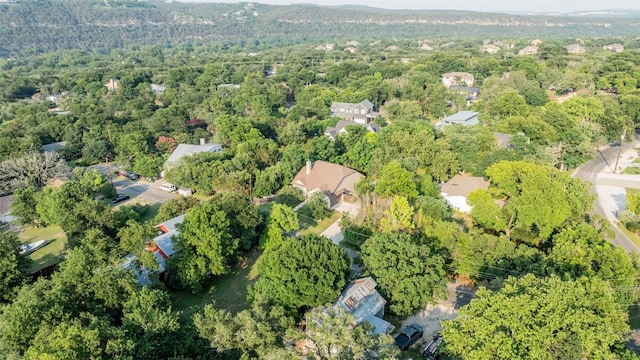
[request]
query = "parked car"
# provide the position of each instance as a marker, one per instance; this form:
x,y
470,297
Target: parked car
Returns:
x,y
132,176
168,187
120,198
429,351
409,336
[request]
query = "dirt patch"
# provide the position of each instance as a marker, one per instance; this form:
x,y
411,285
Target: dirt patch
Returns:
x,y
431,316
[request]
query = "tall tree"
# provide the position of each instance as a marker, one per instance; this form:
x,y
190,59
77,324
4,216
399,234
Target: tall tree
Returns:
x,y
302,273
408,272
32,169
533,318
13,265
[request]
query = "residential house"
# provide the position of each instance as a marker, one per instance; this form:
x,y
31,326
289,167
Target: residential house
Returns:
x,y
456,190
503,141
183,150
158,89
341,128
489,48
614,47
162,247
361,299
464,118
353,43
575,49
536,42
528,50
504,44
361,112
457,78
471,93
337,182
56,146
112,85
392,48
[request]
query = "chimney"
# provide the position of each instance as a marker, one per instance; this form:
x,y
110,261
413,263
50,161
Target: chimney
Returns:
x,y
308,167
202,142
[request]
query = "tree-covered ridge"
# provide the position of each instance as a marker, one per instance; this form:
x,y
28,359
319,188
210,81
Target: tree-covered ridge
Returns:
x,y
34,26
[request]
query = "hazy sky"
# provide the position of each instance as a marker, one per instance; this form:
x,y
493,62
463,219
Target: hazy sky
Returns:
x,y
477,5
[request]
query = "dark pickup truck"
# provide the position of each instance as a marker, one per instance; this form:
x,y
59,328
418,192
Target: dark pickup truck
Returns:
x,y
429,352
408,336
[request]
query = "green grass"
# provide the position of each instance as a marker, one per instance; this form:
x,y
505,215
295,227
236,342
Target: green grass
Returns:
x,y
631,235
631,191
311,226
150,212
229,291
49,254
629,170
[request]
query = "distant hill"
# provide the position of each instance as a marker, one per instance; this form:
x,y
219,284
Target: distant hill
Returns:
x,y
32,26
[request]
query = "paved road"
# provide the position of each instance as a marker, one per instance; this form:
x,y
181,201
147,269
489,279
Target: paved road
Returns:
x,y
148,191
603,163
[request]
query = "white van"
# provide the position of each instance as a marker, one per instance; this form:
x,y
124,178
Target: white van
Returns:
x,y
168,187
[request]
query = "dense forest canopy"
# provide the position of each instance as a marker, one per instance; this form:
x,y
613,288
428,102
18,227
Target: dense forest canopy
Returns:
x,y
32,26
252,275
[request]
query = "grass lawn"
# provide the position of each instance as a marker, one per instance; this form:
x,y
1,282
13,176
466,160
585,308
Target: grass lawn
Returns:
x,y
630,170
311,226
632,236
49,254
631,190
228,291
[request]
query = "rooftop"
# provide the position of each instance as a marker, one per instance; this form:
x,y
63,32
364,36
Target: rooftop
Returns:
x,y
462,185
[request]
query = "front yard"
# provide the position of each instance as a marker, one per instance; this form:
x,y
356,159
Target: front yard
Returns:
x,y
51,253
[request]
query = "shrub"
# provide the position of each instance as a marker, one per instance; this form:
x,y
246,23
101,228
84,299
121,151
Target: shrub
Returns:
x,y
318,206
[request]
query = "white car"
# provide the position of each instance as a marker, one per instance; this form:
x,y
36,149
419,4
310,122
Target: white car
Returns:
x,y
168,187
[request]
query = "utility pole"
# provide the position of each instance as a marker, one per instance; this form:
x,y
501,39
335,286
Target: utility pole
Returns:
x,y
615,168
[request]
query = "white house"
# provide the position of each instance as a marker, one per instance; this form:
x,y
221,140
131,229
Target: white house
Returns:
x,y
456,190
183,150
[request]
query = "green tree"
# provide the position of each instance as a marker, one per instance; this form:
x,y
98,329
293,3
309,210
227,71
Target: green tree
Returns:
x,y
66,341
409,273
318,205
175,207
282,220
302,273
253,332
32,169
23,206
532,209
399,216
331,331
533,318
14,266
396,180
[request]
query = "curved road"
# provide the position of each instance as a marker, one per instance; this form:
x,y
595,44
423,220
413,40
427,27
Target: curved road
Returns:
x,y
605,161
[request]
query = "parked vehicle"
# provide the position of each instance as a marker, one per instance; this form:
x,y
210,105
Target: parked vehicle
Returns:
x,y
132,176
429,351
120,198
168,187
409,336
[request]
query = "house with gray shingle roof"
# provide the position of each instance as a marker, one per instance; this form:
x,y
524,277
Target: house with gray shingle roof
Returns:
x,y
341,128
464,118
183,150
361,113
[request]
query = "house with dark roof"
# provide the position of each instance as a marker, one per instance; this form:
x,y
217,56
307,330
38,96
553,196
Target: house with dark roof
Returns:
x,y
361,299
341,128
456,190
471,94
361,112
337,182
464,118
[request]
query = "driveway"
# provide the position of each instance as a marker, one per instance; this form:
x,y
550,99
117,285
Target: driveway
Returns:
x,y
431,316
334,232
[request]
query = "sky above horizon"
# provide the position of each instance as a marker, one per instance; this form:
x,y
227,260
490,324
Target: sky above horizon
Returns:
x,y
486,5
